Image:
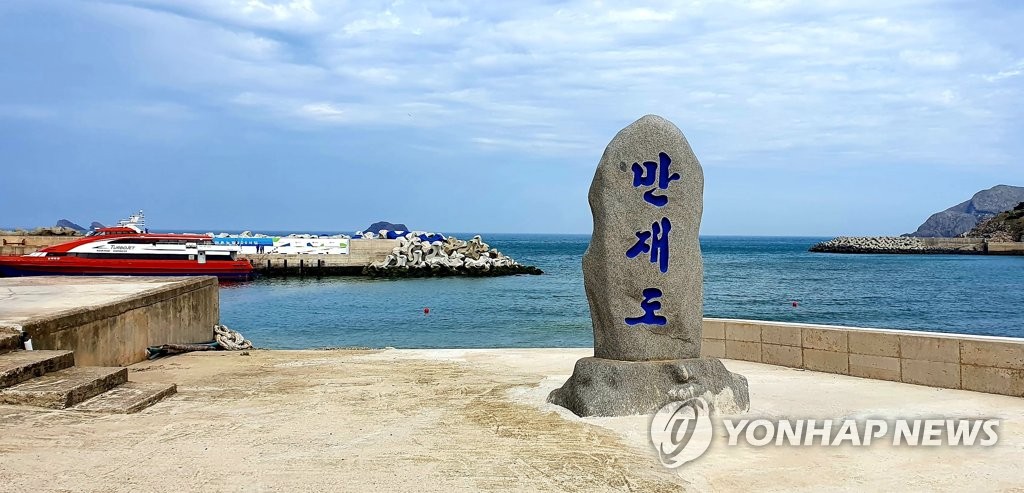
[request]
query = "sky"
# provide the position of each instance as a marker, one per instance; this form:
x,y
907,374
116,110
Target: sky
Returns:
x,y
813,117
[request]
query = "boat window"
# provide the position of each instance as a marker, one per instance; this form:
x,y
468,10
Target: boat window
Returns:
x,y
149,241
146,256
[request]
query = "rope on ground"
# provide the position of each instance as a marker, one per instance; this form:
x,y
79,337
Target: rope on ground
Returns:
x,y
231,340
224,339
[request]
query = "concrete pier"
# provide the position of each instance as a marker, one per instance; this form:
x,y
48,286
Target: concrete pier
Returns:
x,y
471,420
109,321
361,254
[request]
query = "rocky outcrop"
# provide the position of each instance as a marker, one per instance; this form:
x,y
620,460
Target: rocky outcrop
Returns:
x,y
901,244
961,218
1006,226
64,223
379,225
414,257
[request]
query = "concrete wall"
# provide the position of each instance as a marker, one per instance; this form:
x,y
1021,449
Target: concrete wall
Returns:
x,y
962,244
118,333
1006,248
24,245
955,361
362,252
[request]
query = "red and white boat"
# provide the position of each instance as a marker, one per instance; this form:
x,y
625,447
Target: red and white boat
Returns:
x,y
128,250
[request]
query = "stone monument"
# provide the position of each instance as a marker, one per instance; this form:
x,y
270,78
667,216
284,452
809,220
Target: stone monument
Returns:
x,y
643,275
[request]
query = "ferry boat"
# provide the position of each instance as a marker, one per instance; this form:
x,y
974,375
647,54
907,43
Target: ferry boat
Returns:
x,y
129,249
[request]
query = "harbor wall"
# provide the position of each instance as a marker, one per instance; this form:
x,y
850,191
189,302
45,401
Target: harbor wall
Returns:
x,y
118,333
362,252
913,245
1006,248
24,245
993,365
966,244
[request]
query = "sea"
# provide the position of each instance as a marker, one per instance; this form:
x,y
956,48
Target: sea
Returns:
x,y
759,278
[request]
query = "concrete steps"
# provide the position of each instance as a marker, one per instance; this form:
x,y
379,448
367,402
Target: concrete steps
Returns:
x,y
19,366
127,398
51,379
64,388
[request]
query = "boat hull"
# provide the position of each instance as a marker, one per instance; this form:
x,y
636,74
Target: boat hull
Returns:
x,y
239,270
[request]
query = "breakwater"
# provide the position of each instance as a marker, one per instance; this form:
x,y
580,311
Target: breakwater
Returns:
x,y
416,257
361,254
911,245
447,271
398,258
368,257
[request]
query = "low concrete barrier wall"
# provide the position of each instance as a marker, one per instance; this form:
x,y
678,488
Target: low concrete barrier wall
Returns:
x,y
1006,248
956,361
117,334
362,252
24,245
953,242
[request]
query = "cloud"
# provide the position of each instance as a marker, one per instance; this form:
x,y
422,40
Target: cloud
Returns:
x,y
1014,71
749,82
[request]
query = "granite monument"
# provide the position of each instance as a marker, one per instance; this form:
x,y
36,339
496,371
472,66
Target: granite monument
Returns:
x,y
643,276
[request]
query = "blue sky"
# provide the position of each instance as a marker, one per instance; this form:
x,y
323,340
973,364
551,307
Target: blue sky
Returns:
x,y
809,117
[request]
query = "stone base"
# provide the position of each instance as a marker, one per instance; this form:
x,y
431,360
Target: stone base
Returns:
x,y
605,387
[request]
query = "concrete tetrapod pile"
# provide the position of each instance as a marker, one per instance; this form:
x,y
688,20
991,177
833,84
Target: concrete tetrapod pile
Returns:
x,y
414,257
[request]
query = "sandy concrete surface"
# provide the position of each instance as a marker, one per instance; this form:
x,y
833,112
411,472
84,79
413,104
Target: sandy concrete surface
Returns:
x,y
24,298
467,420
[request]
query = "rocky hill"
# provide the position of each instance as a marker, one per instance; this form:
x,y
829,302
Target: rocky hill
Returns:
x,y
1006,226
64,223
379,225
961,218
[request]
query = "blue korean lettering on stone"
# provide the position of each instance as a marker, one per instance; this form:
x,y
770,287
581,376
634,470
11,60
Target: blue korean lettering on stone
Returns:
x,y
646,175
649,307
658,246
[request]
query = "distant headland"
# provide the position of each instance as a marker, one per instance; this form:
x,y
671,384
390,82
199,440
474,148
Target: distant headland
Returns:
x,y
990,222
961,218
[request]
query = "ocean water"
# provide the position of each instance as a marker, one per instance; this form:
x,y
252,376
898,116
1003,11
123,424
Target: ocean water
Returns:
x,y
744,277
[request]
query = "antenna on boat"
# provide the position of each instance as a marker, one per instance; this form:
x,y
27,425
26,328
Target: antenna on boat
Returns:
x,y
135,221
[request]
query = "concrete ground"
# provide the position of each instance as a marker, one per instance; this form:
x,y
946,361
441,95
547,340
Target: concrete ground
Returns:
x,y
24,298
444,420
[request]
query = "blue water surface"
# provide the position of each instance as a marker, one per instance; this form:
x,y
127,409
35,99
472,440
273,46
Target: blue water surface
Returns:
x,y
744,277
